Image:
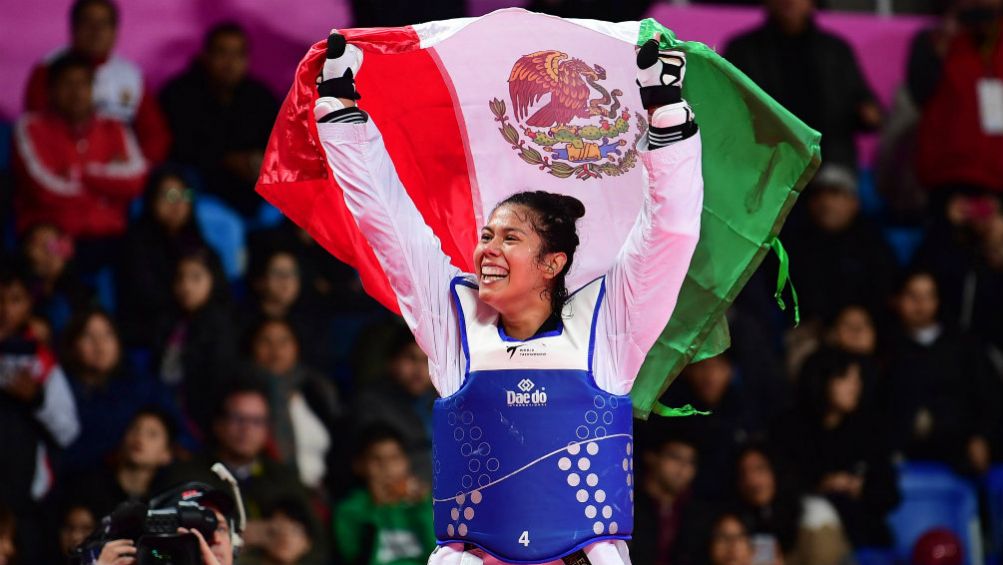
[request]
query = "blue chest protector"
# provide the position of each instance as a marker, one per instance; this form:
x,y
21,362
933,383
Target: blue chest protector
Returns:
x,y
532,461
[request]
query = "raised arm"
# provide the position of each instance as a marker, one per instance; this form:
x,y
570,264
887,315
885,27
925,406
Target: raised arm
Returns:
x,y
643,284
410,254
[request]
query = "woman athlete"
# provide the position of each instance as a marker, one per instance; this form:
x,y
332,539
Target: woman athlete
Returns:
x,y
532,434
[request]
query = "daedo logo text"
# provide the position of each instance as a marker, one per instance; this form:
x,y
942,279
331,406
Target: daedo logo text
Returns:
x,y
526,396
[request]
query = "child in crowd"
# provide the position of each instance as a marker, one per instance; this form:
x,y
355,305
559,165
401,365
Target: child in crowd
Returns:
x,y
389,522
290,533
78,521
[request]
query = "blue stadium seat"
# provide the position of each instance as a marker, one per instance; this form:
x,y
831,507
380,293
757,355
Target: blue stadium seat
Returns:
x,y
104,287
268,216
874,556
904,242
994,499
934,496
224,231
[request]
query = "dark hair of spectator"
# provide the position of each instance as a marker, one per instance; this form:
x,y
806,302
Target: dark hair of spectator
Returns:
x,y
833,318
910,275
206,257
76,328
553,218
238,386
374,434
255,330
257,269
653,435
221,29
161,415
400,340
13,272
77,10
827,365
295,511
65,63
782,515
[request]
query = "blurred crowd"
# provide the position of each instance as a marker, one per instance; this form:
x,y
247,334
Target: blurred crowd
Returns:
x,y
137,346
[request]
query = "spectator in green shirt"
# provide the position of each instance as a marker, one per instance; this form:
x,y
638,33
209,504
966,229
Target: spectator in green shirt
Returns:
x,y
389,522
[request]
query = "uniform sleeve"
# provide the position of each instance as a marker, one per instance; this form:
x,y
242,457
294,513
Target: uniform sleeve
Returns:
x,y
643,284
123,177
409,253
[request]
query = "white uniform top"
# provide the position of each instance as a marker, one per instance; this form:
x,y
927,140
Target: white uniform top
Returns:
x,y
641,286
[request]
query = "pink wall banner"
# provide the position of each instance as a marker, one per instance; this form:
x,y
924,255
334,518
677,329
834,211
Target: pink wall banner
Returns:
x,y
162,37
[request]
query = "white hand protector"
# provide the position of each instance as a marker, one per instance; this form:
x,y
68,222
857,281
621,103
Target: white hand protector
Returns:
x,y
660,74
337,78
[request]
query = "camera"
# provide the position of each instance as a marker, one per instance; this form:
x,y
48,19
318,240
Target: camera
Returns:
x,y
155,533
154,527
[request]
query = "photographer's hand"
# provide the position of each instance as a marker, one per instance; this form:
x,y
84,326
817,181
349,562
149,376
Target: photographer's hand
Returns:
x,y
117,552
207,557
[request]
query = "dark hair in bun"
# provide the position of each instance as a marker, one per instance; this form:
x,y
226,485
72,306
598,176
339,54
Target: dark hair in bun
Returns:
x,y
553,218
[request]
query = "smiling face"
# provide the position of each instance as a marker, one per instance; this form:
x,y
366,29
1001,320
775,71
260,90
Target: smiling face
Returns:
x,y
508,262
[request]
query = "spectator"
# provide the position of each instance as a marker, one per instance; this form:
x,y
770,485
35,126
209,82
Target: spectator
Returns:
x,y
828,91
942,393
240,440
801,530
144,450
37,413
305,405
959,146
841,450
198,339
666,516
107,389
711,385
120,90
279,294
852,334
731,544
8,550
895,175
56,290
77,521
291,532
837,243
403,401
74,169
221,117
321,275
958,251
390,520
165,230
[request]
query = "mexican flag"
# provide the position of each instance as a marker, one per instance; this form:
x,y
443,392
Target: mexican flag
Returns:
x,y
475,109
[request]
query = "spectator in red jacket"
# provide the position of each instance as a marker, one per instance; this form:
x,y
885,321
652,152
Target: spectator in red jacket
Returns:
x,y
120,91
959,144
74,169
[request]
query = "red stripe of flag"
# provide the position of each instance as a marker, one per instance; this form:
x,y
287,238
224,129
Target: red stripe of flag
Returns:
x,y
409,97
